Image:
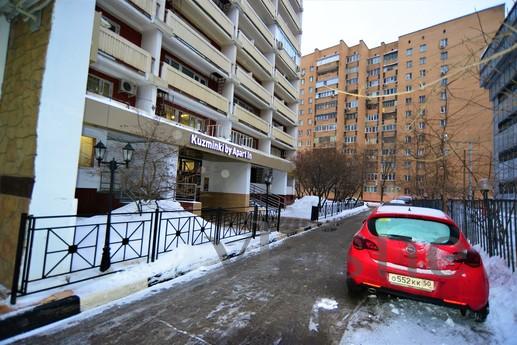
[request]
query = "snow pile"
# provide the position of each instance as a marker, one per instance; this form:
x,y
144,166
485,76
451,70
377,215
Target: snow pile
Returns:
x,y
301,208
321,303
381,320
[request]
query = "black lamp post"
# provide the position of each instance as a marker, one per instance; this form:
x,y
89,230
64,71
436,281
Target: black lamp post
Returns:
x,y
268,179
100,152
484,187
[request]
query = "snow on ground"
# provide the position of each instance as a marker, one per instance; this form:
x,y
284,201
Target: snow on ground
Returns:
x,y
389,320
324,304
301,208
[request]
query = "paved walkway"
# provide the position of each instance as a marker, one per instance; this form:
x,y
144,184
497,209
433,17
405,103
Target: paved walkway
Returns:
x,y
275,297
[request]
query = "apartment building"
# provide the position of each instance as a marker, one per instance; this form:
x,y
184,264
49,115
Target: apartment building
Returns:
x,y
213,83
499,77
400,103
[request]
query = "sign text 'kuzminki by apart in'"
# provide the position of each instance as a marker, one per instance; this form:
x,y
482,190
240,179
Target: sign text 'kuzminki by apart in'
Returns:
x,y
220,147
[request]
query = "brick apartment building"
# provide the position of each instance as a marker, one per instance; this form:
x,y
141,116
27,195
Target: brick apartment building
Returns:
x,y
420,106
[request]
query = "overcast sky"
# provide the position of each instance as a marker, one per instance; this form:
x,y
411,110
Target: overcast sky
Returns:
x,y
325,22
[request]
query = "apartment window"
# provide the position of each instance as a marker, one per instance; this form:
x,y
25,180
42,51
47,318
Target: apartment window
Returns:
x,y
421,125
444,69
352,81
420,152
420,178
409,100
352,58
443,123
374,72
300,132
409,76
371,177
407,164
309,122
409,51
325,128
443,43
351,104
408,113
390,91
311,89
407,177
349,140
331,81
86,152
389,128
390,56
351,128
389,68
370,189
444,82
422,72
444,55
99,86
311,68
309,132
354,69
407,139
327,59
409,64
388,177
409,88
408,127
390,103
300,112
423,48
310,100
422,60
326,105
443,109
372,117
311,79
327,93
407,152
310,110
371,129
421,112
443,95
302,81
111,25
373,83
300,122
421,99
392,79
374,60
373,94
350,116
324,117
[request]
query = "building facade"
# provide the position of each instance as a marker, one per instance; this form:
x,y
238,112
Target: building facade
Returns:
x,y
499,76
207,88
412,109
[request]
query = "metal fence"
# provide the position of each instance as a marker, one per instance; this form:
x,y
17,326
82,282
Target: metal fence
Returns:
x,y
333,208
489,223
55,251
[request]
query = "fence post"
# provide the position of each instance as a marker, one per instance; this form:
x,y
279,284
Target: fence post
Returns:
x,y
155,234
278,218
219,219
255,221
18,260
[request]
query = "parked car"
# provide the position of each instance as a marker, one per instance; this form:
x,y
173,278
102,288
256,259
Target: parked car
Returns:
x,y
404,198
417,253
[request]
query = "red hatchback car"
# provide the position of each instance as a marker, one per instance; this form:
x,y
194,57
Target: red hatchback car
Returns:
x,y
417,253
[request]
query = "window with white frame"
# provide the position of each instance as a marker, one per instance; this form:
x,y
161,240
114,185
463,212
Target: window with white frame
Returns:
x,y
409,88
99,86
409,64
443,109
409,51
374,60
444,42
351,128
409,76
423,48
422,60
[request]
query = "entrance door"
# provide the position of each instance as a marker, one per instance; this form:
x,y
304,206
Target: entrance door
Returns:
x,y
188,179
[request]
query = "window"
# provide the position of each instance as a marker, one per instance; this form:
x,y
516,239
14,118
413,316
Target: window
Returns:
x,y
352,58
444,69
351,116
372,117
374,72
351,128
409,64
409,100
443,123
373,83
326,105
390,91
99,86
309,122
390,103
389,80
443,43
409,76
421,125
311,89
370,189
300,112
422,72
309,132
389,128
408,113
422,60
371,177
409,51
444,82
300,122
407,139
351,104
327,93
372,129
300,132
444,55
407,152
325,128
443,109
310,100
327,59
409,88
390,67
302,81
390,56
443,95
310,110
423,48
352,81
110,25
86,152
349,140
311,68
374,60
354,69
331,81
311,79
421,112
421,99
324,117
407,164
407,177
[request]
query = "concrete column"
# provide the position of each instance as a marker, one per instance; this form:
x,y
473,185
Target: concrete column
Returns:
x,y
146,95
60,115
279,185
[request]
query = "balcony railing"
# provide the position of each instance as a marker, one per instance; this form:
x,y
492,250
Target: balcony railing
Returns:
x,y
252,86
242,139
208,17
257,21
251,119
292,14
289,88
288,61
282,136
191,87
255,54
268,4
124,50
148,6
288,32
283,109
197,42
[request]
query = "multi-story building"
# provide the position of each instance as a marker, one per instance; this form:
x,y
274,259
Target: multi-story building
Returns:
x,y
499,76
407,106
212,83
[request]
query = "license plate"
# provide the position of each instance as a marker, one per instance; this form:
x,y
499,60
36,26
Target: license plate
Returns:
x,y
415,283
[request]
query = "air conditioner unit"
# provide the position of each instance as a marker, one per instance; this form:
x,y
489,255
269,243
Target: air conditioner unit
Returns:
x,y
127,87
280,45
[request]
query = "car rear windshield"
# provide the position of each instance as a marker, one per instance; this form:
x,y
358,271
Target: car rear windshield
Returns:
x,y
415,230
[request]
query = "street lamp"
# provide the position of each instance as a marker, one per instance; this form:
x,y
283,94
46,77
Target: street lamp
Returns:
x,y
268,179
100,152
484,187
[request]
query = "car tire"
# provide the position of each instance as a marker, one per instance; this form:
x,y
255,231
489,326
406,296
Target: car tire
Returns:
x,y
481,315
354,290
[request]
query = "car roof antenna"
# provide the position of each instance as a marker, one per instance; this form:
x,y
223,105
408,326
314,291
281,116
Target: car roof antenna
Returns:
x,y
409,209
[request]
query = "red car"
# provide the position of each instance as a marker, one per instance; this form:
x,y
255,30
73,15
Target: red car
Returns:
x,y
417,253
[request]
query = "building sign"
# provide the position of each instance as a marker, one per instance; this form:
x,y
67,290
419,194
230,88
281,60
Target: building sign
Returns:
x,y
220,147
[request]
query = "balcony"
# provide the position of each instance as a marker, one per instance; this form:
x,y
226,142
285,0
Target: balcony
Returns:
x,y
252,86
123,50
286,88
198,43
286,60
283,25
194,89
283,137
292,15
253,59
250,119
270,7
257,22
242,139
148,6
208,18
284,110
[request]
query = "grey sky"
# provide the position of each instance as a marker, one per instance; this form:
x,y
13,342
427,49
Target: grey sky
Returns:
x,y
325,22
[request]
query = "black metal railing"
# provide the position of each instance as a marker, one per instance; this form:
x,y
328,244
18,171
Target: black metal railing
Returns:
x,y
330,209
487,222
55,251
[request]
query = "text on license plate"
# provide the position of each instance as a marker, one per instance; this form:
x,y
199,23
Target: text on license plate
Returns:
x,y
415,283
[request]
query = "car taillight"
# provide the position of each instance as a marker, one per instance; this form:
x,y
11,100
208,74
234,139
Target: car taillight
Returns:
x,y
362,243
469,257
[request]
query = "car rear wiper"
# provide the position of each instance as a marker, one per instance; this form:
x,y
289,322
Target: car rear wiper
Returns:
x,y
399,237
